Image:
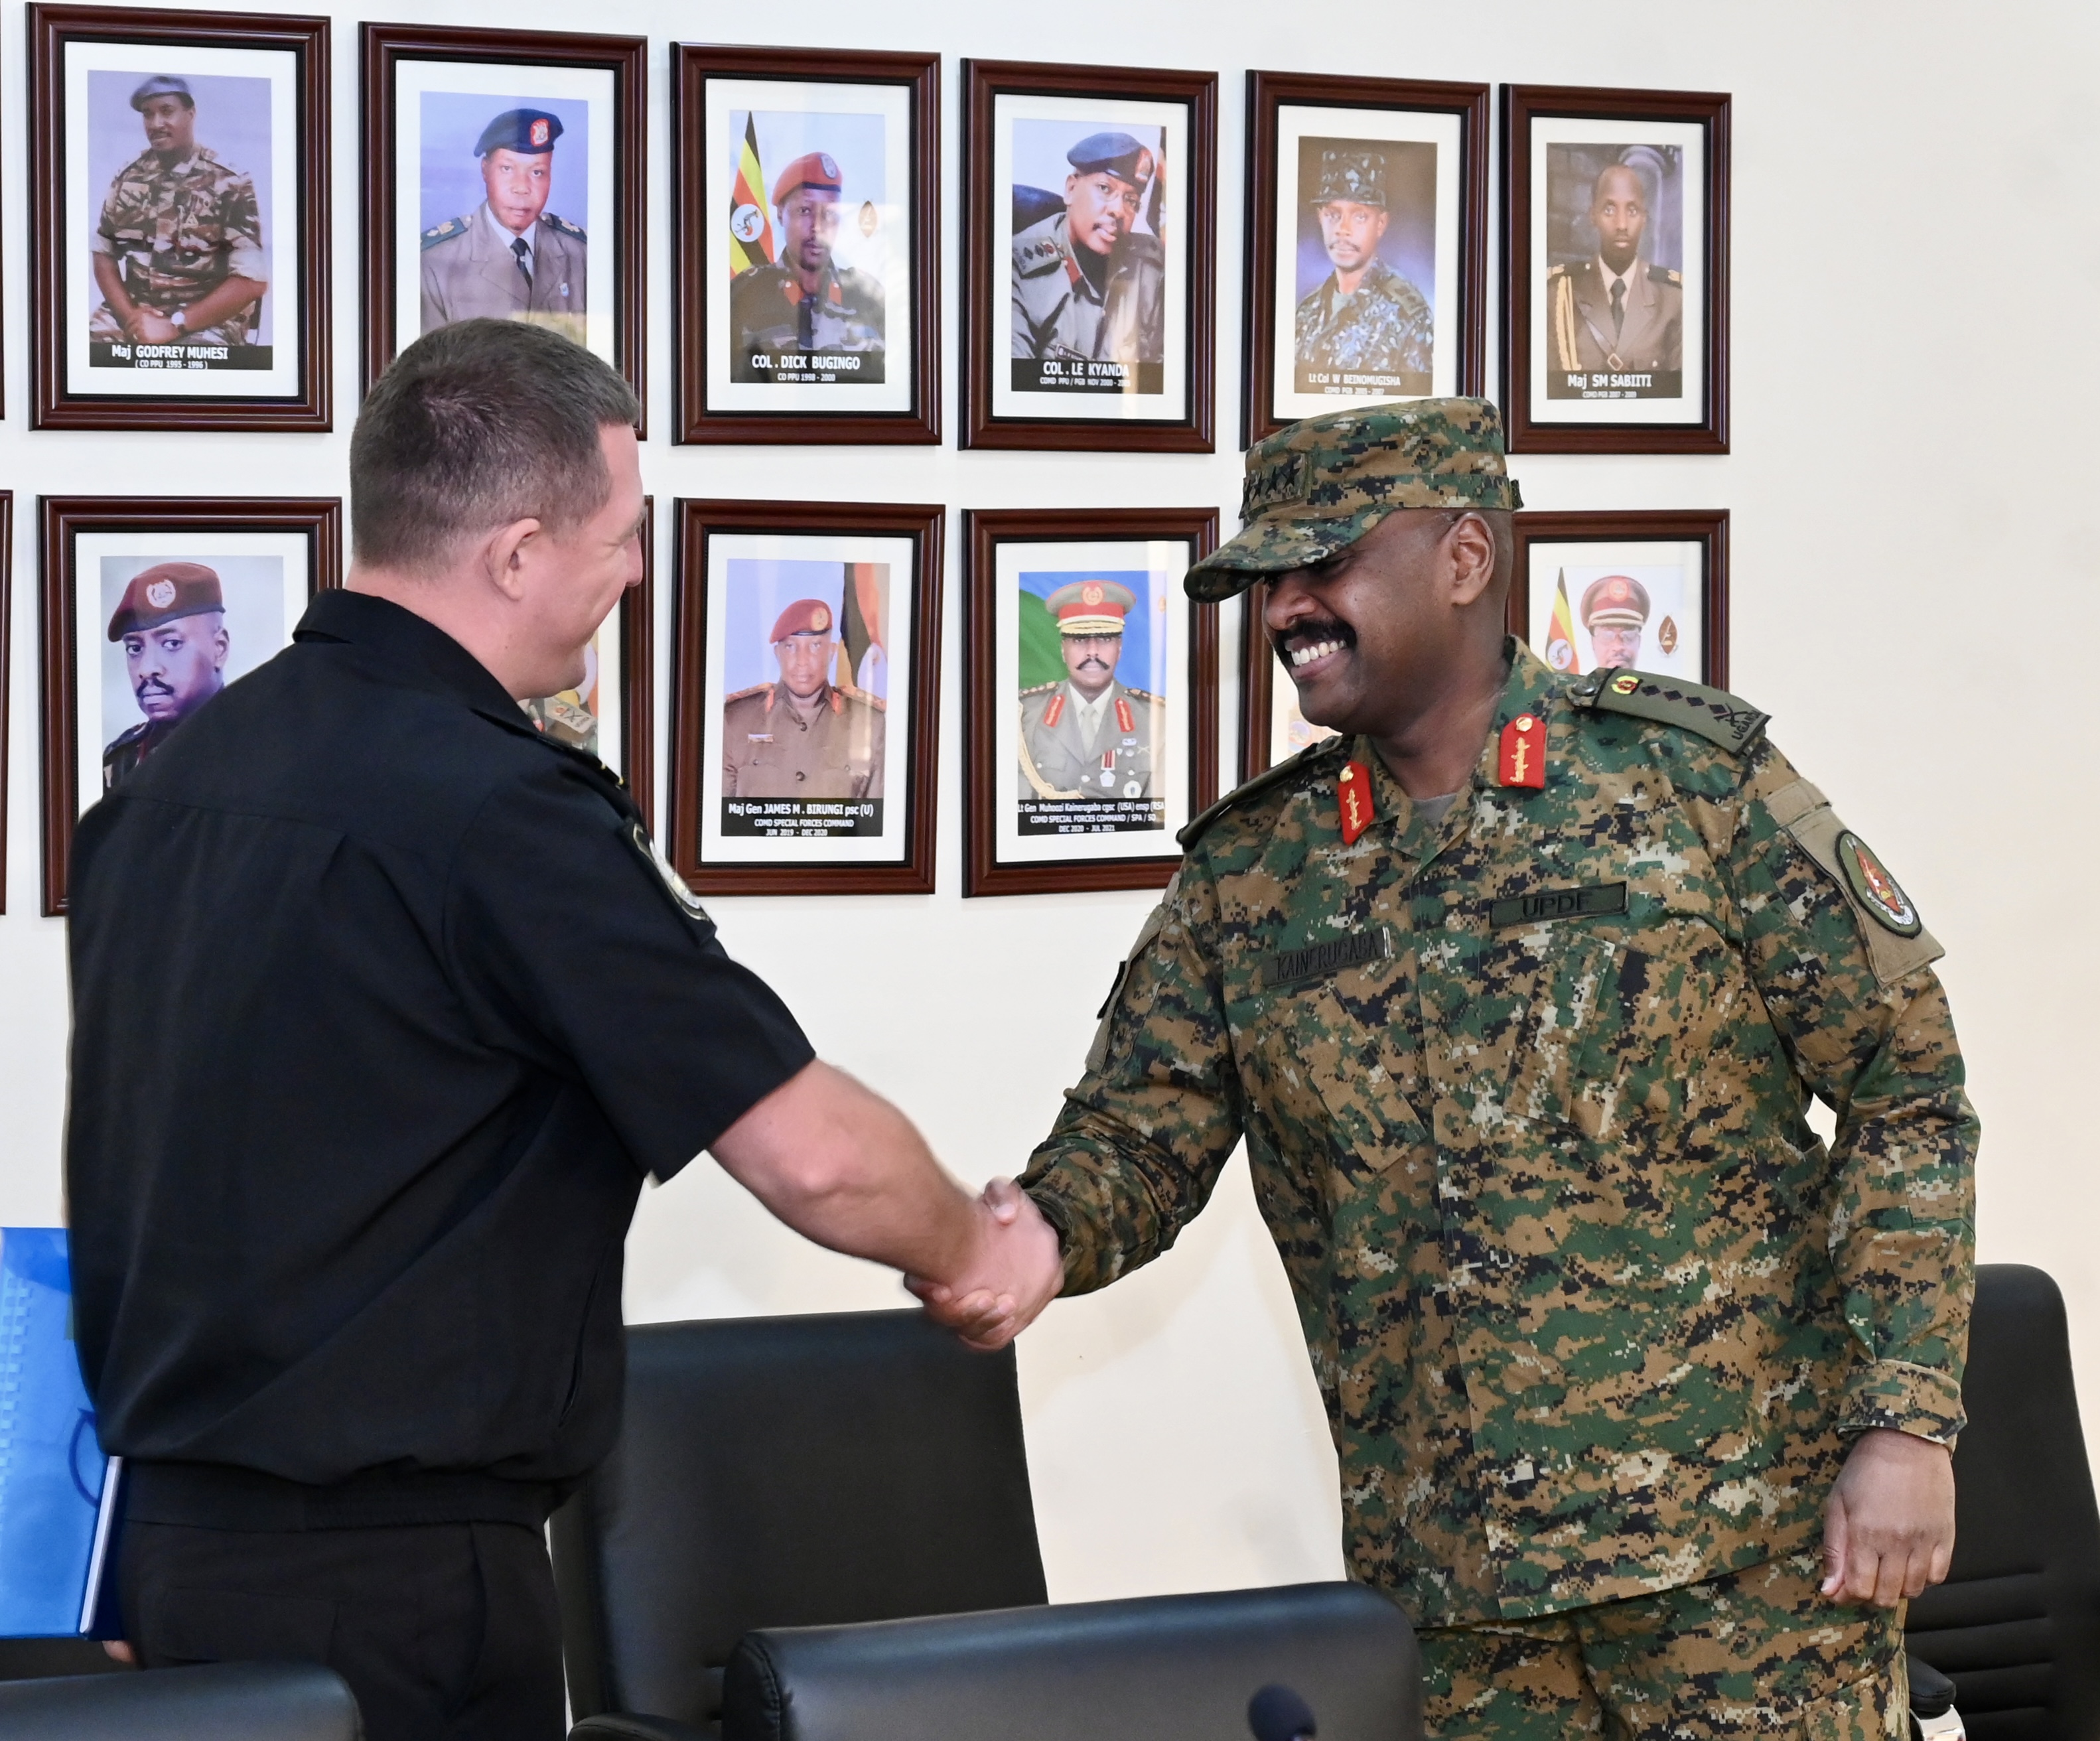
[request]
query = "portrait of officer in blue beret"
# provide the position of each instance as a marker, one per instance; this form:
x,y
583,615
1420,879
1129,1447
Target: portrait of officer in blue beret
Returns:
x,y
510,258
1089,270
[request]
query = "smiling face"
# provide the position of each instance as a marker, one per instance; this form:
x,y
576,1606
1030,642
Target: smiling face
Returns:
x,y
170,124
806,661
1090,661
1352,232
517,182
176,667
1098,209
1619,210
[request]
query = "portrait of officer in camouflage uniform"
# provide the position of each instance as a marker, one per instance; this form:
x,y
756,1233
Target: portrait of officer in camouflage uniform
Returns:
x,y
177,250
788,318
510,258
1615,313
1089,286
803,736
1365,320
1518,991
172,623
1092,735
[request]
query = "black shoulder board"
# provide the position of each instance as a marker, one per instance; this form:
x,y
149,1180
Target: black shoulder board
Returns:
x,y
1261,782
562,227
1728,720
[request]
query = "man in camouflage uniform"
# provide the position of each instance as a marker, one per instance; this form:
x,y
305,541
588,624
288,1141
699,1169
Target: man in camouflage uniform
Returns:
x,y
177,252
1090,736
1519,992
1365,319
803,737
172,621
1087,286
785,317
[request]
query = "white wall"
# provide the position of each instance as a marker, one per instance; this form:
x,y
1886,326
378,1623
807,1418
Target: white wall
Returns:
x,y
1915,438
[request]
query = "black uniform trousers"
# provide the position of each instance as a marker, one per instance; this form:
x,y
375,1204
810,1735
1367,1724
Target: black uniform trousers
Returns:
x,y
445,1632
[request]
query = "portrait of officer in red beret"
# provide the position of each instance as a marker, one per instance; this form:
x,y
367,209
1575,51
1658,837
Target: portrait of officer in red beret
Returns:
x,y
803,736
172,623
803,317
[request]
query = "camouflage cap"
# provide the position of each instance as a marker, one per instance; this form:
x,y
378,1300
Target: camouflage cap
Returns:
x,y
1358,176
1314,489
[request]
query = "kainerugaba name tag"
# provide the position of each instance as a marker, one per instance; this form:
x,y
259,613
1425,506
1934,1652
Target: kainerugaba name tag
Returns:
x,y
1294,967
1591,900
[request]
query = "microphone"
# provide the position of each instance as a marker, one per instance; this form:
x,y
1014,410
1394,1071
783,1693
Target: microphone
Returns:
x,y
1276,1713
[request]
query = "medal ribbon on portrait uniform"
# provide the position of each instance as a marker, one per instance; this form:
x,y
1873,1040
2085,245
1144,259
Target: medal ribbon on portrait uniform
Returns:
x,y
750,225
1522,760
1353,791
1561,636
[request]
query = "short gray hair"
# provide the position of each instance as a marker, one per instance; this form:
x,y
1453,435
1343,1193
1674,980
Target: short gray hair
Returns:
x,y
473,427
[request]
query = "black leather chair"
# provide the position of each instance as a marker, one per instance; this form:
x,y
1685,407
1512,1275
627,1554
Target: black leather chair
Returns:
x,y
1164,1668
225,1701
803,1471
2017,1624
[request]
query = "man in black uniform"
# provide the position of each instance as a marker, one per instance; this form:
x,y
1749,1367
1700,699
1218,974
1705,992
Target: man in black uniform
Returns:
x,y
358,1331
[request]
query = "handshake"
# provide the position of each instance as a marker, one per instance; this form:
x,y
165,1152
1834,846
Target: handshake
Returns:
x,y
1012,1269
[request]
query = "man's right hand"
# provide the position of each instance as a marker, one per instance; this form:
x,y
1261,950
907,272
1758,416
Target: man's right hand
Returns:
x,y
1017,1269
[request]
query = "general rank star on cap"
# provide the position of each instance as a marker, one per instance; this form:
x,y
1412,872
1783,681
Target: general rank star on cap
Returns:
x,y
1314,489
162,593
527,131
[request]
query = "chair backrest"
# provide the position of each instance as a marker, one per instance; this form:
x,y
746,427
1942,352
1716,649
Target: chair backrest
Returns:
x,y
788,1472
227,1701
1157,1668
2016,1624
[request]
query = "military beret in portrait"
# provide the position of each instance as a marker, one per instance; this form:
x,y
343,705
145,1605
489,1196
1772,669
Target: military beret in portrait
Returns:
x,y
813,169
805,616
1117,154
162,85
162,593
1615,602
527,131
1358,176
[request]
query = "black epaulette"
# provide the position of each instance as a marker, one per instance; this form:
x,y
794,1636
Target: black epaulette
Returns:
x,y
444,232
1668,274
1727,720
1289,767
562,227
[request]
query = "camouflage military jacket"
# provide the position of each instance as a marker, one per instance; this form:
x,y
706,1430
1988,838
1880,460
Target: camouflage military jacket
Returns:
x,y
1592,1307
1383,328
772,316
178,232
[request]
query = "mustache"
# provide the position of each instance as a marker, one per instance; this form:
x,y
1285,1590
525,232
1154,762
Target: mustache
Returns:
x,y
151,686
1310,632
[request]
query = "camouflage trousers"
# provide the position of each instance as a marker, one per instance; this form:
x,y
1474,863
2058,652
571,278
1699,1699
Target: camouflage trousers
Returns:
x,y
1758,1652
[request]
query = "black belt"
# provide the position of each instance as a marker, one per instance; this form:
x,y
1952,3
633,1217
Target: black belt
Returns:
x,y
215,1495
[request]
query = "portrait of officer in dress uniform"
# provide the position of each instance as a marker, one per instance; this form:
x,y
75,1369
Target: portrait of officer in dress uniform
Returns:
x,y
803,736
172,622
1090,736
1089,285
1615,611
1365,319
177,252
1615,313
510,258
789,320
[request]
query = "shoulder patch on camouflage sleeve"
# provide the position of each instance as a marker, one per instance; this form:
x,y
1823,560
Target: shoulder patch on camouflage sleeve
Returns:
x,y
1715,714
1896,940
1290,766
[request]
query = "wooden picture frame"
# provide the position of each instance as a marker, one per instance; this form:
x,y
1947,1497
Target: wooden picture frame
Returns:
x,y
179,528
1420,121
91,372
6,665
1617,541
994,755
996,411
736,560
1677,143
572,70
900,105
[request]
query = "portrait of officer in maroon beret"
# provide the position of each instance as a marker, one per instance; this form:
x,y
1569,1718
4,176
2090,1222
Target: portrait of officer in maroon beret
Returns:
x,y
803,316
172,624
803,737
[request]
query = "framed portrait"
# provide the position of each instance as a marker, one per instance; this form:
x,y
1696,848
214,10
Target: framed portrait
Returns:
x,y
1272,729
1090,246
1366,264
1615,250
1647,591
179,187
809,245
608,714
1091,686
505,174
150,608
806,714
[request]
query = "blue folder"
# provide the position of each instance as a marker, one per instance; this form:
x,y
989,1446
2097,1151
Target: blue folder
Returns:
x,y
58,1491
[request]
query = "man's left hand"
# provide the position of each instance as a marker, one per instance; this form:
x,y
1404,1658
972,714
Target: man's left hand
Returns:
x,y
1888,1532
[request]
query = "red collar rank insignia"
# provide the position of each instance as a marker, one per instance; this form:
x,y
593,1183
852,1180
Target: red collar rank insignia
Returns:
x,y
1523,752
1354,790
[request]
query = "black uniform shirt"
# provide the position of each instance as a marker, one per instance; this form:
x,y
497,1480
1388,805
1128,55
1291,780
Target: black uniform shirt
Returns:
x,y
382,1011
